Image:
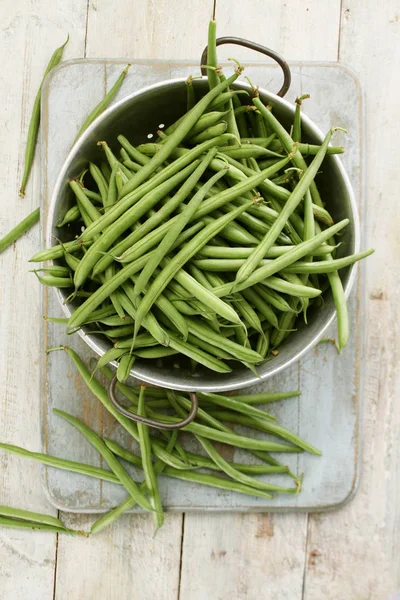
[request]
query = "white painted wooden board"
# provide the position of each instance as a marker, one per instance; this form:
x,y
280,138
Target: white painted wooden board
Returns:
x,y
327,412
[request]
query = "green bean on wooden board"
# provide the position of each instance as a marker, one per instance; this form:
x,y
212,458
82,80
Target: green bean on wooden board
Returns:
x,y
34,123
19,229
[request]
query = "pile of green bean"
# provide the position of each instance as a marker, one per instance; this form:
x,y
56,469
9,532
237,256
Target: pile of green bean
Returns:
x,y
166,453
211,243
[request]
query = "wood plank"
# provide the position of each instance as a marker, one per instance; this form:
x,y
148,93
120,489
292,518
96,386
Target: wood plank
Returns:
x,y
148,29
29,34
366,533
243,556
124,561
297,29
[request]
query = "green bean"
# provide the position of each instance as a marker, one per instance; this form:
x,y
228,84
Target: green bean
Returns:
x,y
327,266
212,64
125,365
210,133
203,332
287,143
262,346
283,261
58,251
106,170
72,214
132,151
33,129
103,292
137,249
102,105
166,307
248,151
174,168
133,215
292,289
143,340
296,135
226,467
102,395
61,463
202,478
149,474
109,356
124,477
116,321
129,503
209,251
55,270
51,281
16,524
150,322
175,264
178,135
84,202
252,261
205,122
264,397
175,230
201,461
269,427
155,352
197,354
261,306
273,298
190,95
237,190
232,404
248,313
132,166
232,439
100,181
92,195
20,229
259,141
233,232
224,98
26,515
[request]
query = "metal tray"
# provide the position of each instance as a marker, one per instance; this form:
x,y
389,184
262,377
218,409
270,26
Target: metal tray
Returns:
x,y
327,413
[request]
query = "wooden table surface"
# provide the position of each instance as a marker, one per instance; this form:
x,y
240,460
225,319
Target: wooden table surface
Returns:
x,y
351,554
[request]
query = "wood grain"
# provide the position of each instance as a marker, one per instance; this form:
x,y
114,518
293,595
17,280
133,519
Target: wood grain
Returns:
x,y
297,29
355,553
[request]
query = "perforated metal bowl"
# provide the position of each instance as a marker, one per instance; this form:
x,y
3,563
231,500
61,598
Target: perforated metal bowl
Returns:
x,y
138,115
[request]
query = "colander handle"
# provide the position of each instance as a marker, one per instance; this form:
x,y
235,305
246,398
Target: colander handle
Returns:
x,y
287,76
151,422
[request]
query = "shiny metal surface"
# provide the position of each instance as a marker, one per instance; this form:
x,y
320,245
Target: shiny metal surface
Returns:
x,y
141,114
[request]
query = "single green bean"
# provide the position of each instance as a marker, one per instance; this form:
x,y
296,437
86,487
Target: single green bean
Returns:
x,y
72,214
212,64
148,468
61,463
26,515
100,181
125,365
34,123
20,229
16,524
